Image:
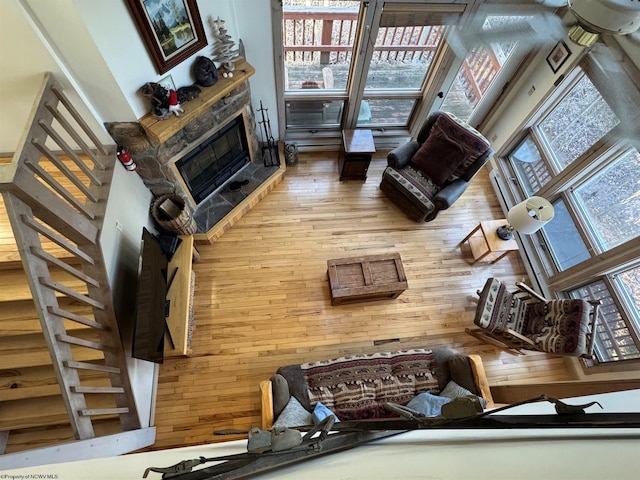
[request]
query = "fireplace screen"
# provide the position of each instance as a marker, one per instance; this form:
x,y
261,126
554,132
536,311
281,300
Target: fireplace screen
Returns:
x,y
208,166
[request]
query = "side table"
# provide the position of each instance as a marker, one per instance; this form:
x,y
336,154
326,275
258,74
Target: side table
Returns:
x,y
355,155
485,243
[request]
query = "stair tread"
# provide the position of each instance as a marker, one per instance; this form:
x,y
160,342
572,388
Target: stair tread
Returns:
x,y
41,381
43,358
14,286
30,342
20,317
38,437
9,255
37,412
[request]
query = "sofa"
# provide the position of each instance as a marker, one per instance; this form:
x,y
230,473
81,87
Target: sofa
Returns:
x,y
358,386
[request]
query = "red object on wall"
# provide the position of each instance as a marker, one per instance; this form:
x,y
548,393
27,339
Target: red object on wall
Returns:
x,y
126,159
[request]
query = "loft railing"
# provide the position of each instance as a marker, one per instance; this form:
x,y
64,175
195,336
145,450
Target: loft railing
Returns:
x,y
55,192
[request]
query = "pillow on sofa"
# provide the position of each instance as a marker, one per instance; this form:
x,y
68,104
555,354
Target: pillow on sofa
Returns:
x,y
453,390
428,404
461,372
320,412
280,392
293,415
439,156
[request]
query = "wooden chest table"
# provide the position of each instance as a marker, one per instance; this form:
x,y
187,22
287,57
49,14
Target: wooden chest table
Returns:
x,y
355,156
366,278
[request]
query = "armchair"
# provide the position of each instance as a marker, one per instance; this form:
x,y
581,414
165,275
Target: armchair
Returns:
x,y
430,173
524,319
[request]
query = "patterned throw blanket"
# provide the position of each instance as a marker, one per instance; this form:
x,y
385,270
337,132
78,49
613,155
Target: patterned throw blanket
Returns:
x,y
358,386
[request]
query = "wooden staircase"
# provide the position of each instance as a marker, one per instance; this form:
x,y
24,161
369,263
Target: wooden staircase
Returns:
x,y
63,369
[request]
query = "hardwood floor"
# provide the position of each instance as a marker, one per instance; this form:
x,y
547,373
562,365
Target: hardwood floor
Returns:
x,y
262,296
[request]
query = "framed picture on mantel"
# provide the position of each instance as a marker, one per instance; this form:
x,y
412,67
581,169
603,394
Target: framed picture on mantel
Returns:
x,y
171,29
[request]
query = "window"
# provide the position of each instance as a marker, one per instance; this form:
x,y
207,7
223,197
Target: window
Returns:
x,y
614,339
579,120
574,155
317,43
480,70
382,64
376,55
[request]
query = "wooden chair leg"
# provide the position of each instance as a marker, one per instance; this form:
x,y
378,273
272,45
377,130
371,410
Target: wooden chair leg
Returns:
x,y
487,337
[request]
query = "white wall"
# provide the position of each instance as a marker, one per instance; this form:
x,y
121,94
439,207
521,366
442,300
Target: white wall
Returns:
x,y
119,42
23,61
121,46
127,211
66,34
256,33
527,95
465,454
94,46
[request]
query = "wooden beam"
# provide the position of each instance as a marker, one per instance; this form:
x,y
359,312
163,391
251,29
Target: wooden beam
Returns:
x,y
517,393
162,130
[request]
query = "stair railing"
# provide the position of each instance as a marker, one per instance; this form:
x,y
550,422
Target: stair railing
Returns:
x,y
55,192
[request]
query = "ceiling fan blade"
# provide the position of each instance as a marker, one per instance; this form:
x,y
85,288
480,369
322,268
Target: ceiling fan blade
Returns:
x,y
624,98
534,31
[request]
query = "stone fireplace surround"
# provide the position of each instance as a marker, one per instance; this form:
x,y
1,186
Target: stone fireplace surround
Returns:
x,y
155,159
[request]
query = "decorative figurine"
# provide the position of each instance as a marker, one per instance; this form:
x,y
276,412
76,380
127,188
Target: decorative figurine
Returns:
x,y
223,50
159,98
205,71
188,93
174,104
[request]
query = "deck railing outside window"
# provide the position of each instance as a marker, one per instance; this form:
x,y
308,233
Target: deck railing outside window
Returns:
x,y
314,39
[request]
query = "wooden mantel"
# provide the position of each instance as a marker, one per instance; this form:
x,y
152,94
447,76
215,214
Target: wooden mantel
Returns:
x,y
161,130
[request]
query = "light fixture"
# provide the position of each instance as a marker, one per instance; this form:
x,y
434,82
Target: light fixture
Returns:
x,y
614,17
526,217
583,37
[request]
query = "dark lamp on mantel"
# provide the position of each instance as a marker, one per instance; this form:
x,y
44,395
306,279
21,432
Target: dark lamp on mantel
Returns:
x,y
527,217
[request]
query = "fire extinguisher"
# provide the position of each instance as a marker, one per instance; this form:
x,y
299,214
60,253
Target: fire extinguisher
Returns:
x,y
126,159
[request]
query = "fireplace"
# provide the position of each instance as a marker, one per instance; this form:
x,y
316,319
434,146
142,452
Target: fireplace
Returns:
x,y
219,130
214,161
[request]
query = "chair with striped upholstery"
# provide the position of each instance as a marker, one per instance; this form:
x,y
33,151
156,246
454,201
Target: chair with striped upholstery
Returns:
x,y
525,320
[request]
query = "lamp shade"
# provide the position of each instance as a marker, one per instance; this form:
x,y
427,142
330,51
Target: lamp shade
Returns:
x,y
530,215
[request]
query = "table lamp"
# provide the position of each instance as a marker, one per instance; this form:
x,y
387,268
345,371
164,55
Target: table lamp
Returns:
x,y
526,217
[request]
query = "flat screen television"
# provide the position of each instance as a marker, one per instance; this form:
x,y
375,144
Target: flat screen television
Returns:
x,y
149,328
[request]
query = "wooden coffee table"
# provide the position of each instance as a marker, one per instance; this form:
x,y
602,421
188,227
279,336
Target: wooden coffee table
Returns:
x,y
366,278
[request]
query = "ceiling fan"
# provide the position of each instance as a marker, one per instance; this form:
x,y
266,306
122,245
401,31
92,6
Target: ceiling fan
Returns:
x,y
589,20
594,17
543,23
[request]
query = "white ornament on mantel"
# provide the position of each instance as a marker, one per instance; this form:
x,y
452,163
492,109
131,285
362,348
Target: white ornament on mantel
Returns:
x,y
223,50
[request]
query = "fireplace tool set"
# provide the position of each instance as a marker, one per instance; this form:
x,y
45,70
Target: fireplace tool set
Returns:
x,y
269,145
